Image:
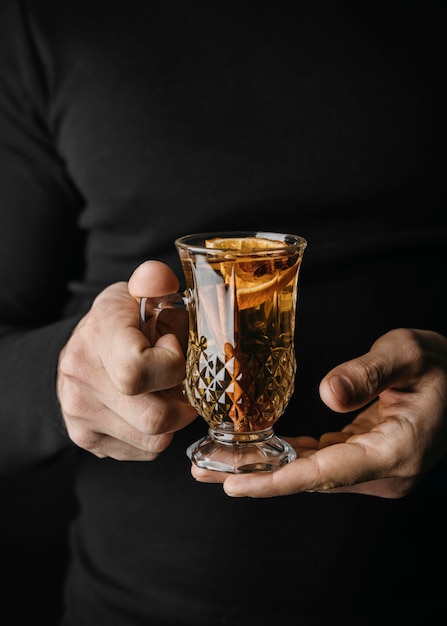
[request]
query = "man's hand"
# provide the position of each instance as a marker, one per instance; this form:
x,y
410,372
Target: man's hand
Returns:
x,y
120,396
401,385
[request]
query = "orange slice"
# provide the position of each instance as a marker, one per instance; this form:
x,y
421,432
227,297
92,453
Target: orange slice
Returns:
x,y
248,244
254,293
256,277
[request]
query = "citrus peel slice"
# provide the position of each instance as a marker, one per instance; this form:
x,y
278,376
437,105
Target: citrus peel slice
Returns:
x,y
256,277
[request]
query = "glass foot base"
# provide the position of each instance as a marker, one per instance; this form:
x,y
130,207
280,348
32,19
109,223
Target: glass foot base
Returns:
x,y
239,457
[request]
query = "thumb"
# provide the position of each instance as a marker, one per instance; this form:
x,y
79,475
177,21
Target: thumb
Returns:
x,y
152,278
391,361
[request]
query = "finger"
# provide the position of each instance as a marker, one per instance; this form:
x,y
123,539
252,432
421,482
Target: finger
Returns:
x,y
304,446
396,358
152,278
144,368
115,449
149,414
365,420
270,485
329,439
132,364
106,446
339,465
142,426
395,487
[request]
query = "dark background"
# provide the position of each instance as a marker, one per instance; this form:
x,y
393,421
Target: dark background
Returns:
x,y
36,509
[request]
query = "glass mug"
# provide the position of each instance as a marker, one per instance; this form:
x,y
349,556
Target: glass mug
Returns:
x,y
241,294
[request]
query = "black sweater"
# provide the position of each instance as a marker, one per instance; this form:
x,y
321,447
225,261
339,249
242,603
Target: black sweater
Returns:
x,y
126,125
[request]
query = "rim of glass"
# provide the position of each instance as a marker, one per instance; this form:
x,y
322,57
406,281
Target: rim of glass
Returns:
x,y
196,241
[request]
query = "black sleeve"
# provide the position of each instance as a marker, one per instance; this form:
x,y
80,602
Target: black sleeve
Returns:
x,y
39,251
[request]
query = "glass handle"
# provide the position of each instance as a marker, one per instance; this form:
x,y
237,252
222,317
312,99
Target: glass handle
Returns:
x,y
151,307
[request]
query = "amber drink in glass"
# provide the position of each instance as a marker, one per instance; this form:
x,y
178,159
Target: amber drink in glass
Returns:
x,y
241,294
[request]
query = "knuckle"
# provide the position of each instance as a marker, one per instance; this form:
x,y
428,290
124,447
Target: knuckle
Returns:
x,y
159,443
72,398
154,420
372,374
70,361
129,377
85,438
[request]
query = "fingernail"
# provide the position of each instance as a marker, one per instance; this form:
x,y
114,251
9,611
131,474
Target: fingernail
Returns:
x,y
341,389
